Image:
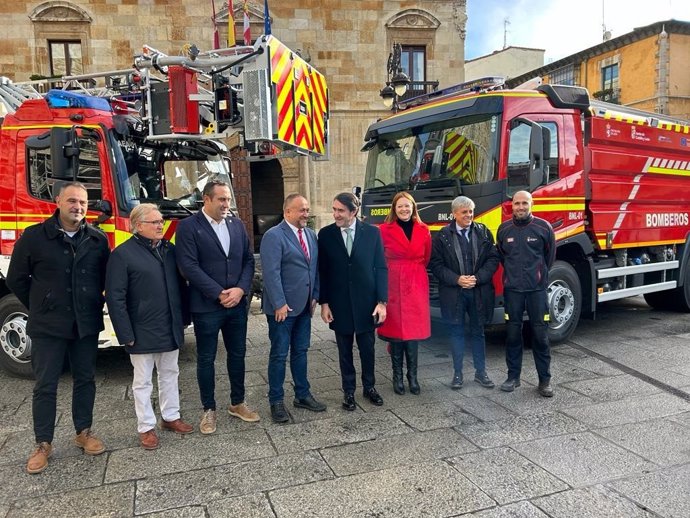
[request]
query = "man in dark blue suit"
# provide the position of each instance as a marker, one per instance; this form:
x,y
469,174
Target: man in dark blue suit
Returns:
x,y
289,256
354,292
213,255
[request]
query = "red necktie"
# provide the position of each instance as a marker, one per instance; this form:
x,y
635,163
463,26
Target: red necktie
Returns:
x,y
301,242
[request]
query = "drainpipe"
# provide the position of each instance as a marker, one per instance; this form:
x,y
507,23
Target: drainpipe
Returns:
x,y
662,68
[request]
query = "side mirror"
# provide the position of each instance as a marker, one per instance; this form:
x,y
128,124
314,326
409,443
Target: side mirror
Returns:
x,y
64,153
104,207
357,191
536,156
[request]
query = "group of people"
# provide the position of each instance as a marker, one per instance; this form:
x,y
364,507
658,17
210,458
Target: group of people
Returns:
x,y
366,279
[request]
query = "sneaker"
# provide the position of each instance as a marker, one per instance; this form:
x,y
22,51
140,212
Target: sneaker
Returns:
x,y
457,382
243,412
278,413
38,461
545,389
208,422
177,426
88,442
483,379
148,440
510,384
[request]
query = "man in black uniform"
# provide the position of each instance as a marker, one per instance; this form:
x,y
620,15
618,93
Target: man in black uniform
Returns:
x,y
527,246
57,271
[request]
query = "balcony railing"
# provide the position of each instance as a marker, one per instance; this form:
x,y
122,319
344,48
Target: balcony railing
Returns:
x,y
416,88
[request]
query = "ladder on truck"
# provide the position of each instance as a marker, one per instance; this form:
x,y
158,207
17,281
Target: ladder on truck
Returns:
x,y
12,95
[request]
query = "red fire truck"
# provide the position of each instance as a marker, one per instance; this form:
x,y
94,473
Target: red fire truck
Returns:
x,y
613,182
149,134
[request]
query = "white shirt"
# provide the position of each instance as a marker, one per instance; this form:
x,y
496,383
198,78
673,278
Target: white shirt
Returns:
x,y
304,235
221,230
344,234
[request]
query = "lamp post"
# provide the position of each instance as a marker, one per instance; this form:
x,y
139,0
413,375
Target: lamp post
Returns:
x,y
396,80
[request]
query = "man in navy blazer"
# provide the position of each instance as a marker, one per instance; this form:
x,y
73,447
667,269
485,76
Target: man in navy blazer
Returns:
x,y
213,255
354,292
289,256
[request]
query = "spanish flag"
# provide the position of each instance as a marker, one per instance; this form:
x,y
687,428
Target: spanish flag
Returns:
x,y
231,25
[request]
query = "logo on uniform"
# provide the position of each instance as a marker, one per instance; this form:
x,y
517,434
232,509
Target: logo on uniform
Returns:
x,y
510,240
531,239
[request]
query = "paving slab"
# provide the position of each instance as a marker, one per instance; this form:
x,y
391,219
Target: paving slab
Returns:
x,y
591,364
255,505
61,475
583,458
526,399
484,408
336,431
505,475
517,510
396,450
432,489
444,414
517,429
590,502
613,388
629,410
115,500
204,486
663,492
195,511
190,452
662,441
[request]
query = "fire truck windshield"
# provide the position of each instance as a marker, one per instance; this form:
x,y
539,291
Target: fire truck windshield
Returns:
x,y
419,157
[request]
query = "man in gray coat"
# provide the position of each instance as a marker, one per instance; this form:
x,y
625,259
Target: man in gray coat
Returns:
x,y
289,257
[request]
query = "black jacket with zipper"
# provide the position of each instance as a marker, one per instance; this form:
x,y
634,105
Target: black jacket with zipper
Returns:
x,y
60,279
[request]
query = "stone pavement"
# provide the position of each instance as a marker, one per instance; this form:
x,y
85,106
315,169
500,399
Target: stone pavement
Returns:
x,y
613,442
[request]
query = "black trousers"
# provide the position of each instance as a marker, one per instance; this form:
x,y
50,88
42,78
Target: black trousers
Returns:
x,y
537,310
47,359
365,344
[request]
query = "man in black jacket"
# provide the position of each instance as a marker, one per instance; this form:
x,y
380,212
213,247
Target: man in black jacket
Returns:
x,y
353,292
57,271
464,260
143,289
527,245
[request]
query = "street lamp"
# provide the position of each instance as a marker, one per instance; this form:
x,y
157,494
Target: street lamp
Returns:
x,y
396,80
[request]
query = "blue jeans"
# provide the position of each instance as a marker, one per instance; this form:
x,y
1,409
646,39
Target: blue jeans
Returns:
x,y
475,332
292,334
232,322
537,309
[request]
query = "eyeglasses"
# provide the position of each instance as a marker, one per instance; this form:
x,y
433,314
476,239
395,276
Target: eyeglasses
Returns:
x,y
157,222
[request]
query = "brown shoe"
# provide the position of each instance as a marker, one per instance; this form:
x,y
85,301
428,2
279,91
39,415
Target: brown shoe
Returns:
x,y
243,412
88,442
177,426
38,461
148,440
208,422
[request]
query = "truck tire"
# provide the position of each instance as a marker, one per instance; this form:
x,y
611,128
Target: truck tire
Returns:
x,y
564,296
15,344
662,300
682,293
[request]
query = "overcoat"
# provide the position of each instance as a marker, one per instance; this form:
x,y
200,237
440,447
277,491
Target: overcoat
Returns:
x,y
352,285
446,268
59,279
407,313
143,290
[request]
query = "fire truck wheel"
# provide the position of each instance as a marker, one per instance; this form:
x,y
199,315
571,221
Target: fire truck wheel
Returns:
x,y
564,295
15,344
660,299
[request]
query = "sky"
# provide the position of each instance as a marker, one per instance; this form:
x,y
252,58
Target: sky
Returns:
x,y
560,27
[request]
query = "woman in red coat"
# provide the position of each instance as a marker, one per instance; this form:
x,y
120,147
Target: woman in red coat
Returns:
x,y
407,245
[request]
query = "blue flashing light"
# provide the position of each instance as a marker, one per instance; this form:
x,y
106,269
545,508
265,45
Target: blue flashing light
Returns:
x,y
69,99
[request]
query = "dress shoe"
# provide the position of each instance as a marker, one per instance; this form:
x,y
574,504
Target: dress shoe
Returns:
x,y
244,412
88,442
510,384
310,404
483,379
545,389
349,402
177,426
373,396
278,413
456,384
38,461
148,440
207,425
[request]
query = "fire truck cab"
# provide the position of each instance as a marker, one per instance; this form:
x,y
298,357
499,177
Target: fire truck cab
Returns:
x,y
613,182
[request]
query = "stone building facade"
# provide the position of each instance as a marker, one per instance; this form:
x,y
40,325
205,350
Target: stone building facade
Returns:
x,y
349,42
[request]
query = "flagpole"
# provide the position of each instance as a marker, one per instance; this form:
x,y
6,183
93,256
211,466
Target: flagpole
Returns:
x,y
216,37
